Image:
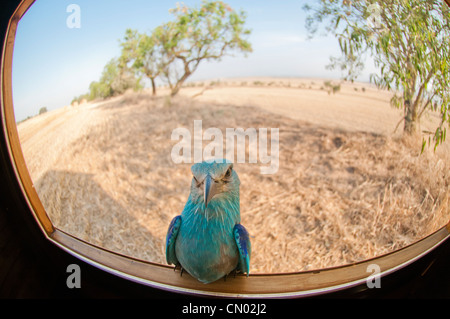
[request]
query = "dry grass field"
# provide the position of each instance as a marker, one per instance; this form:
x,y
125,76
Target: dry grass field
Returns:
x,y
347,188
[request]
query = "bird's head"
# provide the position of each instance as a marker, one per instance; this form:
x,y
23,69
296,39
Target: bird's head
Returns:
x,y
214,180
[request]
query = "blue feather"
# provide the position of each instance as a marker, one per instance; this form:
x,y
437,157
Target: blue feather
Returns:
x,y
243,242
171,236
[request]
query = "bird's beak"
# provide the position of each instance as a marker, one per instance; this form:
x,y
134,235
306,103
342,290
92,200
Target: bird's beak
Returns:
x,y
210,189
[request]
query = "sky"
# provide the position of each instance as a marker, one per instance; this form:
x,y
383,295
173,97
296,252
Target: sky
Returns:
x,y
53,62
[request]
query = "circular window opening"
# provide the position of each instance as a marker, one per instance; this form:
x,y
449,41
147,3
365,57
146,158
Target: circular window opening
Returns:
x,y
338,140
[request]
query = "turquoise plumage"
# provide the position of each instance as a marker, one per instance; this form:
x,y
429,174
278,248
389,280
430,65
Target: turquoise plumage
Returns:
x,y
207,239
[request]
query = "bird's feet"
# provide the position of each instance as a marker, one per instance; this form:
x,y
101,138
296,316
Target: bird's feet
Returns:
x,y
178,266
233,272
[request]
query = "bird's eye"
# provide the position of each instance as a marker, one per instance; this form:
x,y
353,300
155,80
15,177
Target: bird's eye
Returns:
x,y
228,173
196,181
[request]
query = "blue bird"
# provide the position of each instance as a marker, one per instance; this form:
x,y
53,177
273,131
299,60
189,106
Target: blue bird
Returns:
x,y
207,239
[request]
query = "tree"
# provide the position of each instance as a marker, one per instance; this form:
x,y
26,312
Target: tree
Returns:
x,y
115,79
208,33
144,54
409,41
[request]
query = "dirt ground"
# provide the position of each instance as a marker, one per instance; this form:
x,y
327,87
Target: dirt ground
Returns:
x,y
347,188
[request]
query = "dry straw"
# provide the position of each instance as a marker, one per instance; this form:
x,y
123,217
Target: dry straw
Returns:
x,y
338,197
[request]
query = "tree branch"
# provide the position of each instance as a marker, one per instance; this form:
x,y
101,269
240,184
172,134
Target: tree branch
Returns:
x,y
426,105
399,122
421,89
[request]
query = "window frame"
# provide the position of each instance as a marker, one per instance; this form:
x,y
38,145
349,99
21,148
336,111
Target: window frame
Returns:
x,y
271,285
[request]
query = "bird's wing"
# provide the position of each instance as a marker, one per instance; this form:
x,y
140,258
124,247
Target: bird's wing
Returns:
x,y
171,237
243,243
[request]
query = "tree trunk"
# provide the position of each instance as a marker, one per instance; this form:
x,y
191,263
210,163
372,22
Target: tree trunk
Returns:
x,y
153,86
410,117
175,90
180,82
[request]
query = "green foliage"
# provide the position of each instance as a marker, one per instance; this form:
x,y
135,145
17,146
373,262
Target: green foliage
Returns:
x,y
410,43
42,110
144,55
196,34
173,50
80,98
331,87
115,79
